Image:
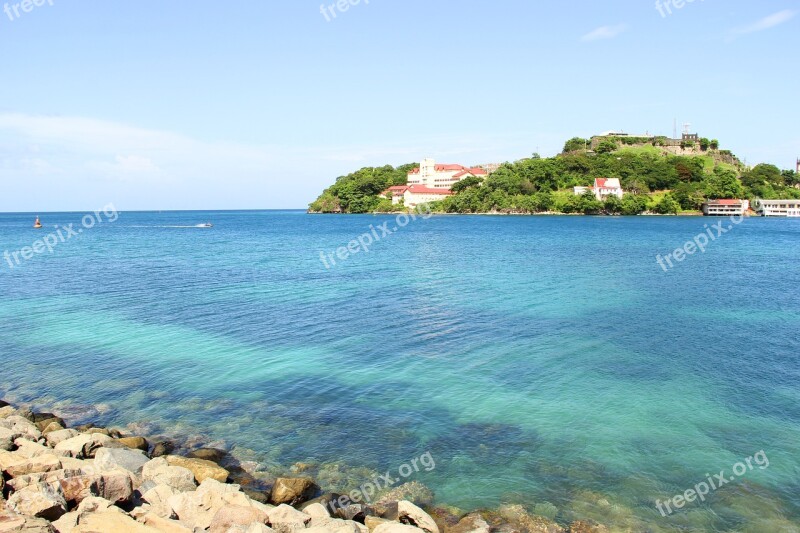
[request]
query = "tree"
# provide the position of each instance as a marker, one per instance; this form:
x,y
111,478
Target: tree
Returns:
x,y
607,146
704,144
667,206
466,183
612,205
714,144
723,184
575,144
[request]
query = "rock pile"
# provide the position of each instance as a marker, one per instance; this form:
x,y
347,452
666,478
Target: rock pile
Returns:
x,y
96,480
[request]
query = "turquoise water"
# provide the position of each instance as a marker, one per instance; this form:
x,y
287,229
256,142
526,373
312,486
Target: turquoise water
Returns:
x,y
539,360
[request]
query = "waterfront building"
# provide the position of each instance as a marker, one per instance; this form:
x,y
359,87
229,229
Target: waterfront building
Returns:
x,y
778,208
726,207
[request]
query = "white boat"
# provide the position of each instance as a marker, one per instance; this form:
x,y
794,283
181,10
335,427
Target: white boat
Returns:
x,y
206,225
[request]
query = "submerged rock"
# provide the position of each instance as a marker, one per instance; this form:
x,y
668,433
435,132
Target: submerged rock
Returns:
x,y
137,443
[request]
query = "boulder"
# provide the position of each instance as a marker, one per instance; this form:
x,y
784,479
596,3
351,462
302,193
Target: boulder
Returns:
x,y
162,448
51,427
42,423
109,522
201,468
292,491
29,448
7,439
58,436
77,488
236,515
67,522
252,528
137,443
125,458
394,527
24,524
84,445
158,498
22,427
286,519
24,465
472,523
197,509
50,478
316,510
408,513
94,504
98,431
116,486
159,523
38,501
356,512
413,491
160,472
373,521
337,525
214,455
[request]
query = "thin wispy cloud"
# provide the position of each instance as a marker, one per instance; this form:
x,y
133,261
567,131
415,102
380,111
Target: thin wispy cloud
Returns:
x,y
776,19
604,32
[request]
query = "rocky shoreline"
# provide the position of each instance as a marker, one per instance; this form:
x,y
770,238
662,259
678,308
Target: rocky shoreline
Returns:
x,y
89,479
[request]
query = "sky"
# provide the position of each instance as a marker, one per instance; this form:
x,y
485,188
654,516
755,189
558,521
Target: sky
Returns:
x,y
193,104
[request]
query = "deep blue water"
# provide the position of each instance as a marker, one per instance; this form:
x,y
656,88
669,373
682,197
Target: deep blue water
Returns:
x,y
539,360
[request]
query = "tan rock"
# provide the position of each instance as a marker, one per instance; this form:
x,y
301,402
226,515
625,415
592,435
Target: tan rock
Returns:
x,y
29,448
394,527
59,435
317,510
159,523
38,501
201,468
373,521
158,498
160,472
292,491
52,426
137,443
286,519
109,522
83,446
236,515
23,524
197,509
24,466
67,523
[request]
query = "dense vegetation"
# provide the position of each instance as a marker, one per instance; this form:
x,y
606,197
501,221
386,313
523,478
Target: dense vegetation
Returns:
x,y
654,181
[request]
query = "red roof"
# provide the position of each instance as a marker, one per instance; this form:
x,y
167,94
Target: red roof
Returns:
x,y
725,202
421,189
448,168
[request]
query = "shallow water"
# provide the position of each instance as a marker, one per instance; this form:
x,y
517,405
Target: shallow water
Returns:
x,y
538,359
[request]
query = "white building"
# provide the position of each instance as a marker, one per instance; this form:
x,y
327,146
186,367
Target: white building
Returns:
x,y
414,195
603,188
441,176
721,208
778,208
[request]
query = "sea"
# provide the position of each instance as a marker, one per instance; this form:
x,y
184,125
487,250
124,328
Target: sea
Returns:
x,y
552,362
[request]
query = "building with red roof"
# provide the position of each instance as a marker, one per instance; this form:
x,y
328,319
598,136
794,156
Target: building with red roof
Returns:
x,y
603,188
442,176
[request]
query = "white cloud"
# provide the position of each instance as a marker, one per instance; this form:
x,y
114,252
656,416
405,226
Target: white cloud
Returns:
x,y
604,32
766,23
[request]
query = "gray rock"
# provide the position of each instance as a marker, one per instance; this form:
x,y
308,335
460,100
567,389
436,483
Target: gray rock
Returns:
x,y
125,458
116,486
7,439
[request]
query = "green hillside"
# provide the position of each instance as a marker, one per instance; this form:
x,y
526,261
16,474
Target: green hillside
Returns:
x,y
655,180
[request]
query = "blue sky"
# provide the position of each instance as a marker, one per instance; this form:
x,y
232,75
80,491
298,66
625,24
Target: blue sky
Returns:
x,y
211,105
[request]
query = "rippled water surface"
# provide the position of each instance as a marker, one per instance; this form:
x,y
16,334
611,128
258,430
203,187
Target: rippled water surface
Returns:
x,y
540,360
